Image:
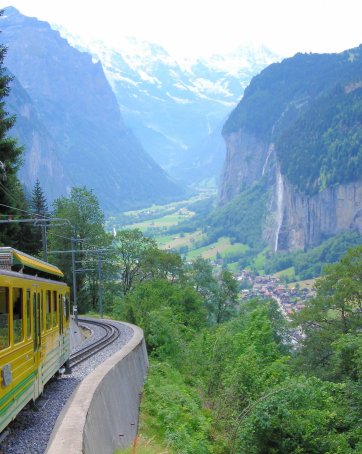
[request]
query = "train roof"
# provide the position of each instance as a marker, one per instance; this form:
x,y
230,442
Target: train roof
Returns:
x,y
10,257
46,280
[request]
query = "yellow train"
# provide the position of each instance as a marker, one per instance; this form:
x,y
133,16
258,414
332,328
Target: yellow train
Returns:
x,y
34,329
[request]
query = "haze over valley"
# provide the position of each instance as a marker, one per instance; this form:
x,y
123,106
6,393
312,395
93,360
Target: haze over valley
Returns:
x,y
138,127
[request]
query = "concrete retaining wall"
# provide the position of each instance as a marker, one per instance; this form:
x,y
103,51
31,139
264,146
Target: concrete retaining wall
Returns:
x,y
102,413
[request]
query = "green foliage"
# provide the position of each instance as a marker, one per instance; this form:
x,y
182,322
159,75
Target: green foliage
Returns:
x,y
346,362
226,297
160,264
202,278
168,313
323,148
299,416
261,395
38,200
202,209
86,220
177,411
39,206
332,321
242,218
132,248
309,264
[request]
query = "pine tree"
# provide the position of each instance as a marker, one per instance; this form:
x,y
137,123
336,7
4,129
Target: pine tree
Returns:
x,y
38,200
39,206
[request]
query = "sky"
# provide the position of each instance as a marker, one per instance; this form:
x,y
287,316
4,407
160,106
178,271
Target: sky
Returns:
x,y
199,28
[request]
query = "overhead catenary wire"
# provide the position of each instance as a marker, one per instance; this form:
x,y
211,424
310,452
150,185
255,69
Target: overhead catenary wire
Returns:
x,y
60,236
31,213
9,194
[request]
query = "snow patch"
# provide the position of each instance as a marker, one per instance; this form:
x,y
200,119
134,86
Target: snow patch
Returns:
x,y
178,100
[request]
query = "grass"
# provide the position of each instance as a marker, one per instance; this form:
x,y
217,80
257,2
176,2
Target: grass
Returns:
x,y
222,246
171,206
307,283
164,221
233,267
260,260
177,241
144,446
287,272
156,215
149,441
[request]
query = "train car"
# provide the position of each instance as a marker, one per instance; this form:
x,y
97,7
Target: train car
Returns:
x,y
34,329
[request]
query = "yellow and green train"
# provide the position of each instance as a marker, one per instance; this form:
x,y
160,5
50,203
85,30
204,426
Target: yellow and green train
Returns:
x,y
34,329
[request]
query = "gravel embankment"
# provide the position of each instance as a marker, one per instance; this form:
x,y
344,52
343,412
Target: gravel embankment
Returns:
x,y
31,430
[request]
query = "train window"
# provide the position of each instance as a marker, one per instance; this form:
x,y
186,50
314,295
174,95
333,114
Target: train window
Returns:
x,y
4,317
54,308
48,309
28,314
18,315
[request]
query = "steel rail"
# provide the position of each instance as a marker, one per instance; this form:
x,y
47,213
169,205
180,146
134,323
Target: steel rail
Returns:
x,y
111,333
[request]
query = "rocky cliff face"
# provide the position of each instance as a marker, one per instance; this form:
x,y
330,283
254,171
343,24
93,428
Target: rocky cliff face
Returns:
x,y
293,220
246,159
300,221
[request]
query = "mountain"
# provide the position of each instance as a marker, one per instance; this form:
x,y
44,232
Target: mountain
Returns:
x,y
174,107
78,119
296,138
41,157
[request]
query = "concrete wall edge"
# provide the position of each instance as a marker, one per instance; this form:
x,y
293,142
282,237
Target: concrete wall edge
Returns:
x,y
72,424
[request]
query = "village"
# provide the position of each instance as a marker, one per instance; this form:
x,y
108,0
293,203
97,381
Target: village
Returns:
x,y
290,298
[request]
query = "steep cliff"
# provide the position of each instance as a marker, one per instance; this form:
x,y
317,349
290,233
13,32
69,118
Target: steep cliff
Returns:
x,y
300,123
247,157
298,221
77,108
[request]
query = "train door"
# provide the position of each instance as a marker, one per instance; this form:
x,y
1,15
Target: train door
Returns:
x,y
37,327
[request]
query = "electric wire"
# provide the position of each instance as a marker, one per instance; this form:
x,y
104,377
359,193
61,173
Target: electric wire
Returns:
x,y
23,211
9,194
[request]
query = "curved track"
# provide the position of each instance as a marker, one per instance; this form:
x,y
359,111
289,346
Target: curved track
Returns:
x,y
111,333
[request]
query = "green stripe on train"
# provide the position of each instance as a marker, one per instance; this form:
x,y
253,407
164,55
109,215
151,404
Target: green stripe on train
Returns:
x,y
26,397
10,395
49,368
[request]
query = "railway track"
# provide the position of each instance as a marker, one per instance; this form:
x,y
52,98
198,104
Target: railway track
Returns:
x,y
111,333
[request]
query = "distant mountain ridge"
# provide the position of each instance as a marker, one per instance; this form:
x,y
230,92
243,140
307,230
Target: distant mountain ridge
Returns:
x,y
41,157
297,132
76,107
176,108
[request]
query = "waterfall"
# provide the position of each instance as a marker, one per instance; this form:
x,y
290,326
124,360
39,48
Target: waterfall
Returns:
x,y
270,151
280,197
